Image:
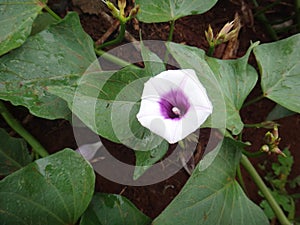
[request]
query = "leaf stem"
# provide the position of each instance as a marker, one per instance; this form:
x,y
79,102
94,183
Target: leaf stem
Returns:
x,y
112,58
256,125
264,189
252,101
253,154
170,38
117,40
52,13
171,32
210,51
16,126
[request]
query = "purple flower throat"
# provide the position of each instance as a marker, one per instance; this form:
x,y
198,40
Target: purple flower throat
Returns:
x,y
174,104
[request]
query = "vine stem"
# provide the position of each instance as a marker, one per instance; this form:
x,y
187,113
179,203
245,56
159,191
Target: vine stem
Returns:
x,y
112,58
170,38
210,51
264,189
172,28
17,126
52,13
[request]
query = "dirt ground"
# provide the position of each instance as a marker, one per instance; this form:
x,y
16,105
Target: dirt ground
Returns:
x,y
56,135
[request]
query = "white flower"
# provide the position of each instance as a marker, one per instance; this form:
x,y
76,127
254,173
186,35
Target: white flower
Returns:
x,y
174,104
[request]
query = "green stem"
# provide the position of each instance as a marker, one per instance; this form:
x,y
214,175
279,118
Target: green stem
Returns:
x,y
118,39
253,154
16,125
172,28
112,58
265,191
255,125
52,13
250,102
241,180
210,51
262,18
170,38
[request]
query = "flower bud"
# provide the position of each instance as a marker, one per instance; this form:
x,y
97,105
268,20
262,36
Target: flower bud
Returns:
x,y
114,11
275,132
122,6
265,148
225,30
209,35
134,12
269,138
276,150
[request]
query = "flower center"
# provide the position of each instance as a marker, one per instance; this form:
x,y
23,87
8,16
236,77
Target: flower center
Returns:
x,y
176,111
174,104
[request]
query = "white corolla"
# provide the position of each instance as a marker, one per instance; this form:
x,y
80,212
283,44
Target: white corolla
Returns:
x,y
174,104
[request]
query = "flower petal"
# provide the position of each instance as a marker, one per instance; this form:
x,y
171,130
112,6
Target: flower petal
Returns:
x,y
178,90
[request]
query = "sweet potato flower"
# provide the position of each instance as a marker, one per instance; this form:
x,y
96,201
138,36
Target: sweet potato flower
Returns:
x,y
174,104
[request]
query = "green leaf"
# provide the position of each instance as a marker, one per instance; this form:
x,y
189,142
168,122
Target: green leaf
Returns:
x,y
58,55
284,200
236,78
145,159
279,112
53,190
42,21
156,11
212,195
111,209
153,64
16,18
13,153
109,108
194,58
107,102
279,64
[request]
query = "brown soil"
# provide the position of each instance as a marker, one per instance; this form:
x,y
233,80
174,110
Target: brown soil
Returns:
x,y
56,135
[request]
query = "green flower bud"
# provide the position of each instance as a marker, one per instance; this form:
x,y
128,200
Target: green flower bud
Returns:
x,y
114,11
265,148
122,6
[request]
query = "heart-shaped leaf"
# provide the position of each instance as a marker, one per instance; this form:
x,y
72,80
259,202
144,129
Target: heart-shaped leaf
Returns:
x,y
194,58
16,18
53,190
13,153
279,64
156,11
58,55
212,195
236,78
228,82
111,209
279,112
107,102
